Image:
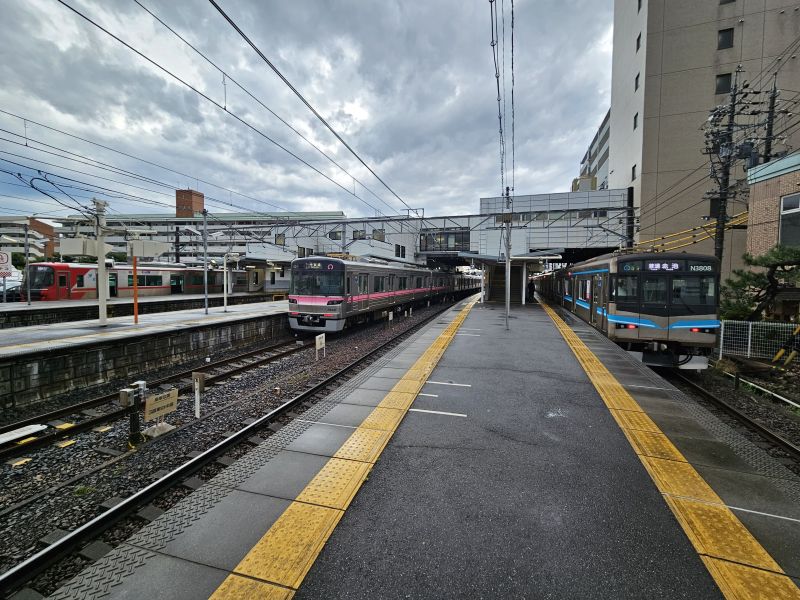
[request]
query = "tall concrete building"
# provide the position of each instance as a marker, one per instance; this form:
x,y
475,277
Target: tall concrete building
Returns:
x,y
674,61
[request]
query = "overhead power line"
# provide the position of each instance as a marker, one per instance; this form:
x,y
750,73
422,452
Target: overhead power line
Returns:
x,y
227,77
216,104
304,101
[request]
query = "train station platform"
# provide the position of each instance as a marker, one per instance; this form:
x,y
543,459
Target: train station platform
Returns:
x,y
54,336
43,361
20,314
478,462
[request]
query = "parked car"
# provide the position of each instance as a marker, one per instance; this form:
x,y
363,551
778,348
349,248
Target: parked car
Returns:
x,y
12,292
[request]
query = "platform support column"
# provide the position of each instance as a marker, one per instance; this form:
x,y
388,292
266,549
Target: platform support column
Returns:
x,y
524,281
205,259
27,263
102,276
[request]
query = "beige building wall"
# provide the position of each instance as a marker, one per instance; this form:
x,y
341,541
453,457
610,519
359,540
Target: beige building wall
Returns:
x,y
681,59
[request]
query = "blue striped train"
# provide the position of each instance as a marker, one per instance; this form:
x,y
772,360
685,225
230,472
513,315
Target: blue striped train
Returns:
x,y
662,307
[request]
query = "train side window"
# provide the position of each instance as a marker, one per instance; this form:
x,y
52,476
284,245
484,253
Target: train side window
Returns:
x,y
627,288
79,281
654,290
585,289
272,277
348,286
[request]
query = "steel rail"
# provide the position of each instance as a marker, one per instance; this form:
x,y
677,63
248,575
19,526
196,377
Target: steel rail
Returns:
x,y
773,437
22,573
79,406
15,449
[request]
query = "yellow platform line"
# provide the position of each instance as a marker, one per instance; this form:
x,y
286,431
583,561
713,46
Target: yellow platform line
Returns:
x,y
740,566
276,566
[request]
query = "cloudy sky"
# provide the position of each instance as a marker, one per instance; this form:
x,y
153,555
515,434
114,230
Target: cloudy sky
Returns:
x,y
409,85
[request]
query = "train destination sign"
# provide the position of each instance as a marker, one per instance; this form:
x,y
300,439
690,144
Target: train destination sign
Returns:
x,y
161,404
664,266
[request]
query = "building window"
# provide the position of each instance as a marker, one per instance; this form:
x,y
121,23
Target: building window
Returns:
x,y
725,39
727,1
638,42
359,234
724,83
280,239
379,234
635,120
397,250
636,82
790,221
402,251
633,173
639,9
335,235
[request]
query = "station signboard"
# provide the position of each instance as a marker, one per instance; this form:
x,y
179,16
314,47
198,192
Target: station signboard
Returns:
x,y
158,405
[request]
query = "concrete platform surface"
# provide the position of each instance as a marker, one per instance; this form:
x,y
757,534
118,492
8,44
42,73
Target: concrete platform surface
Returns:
x,y
475,462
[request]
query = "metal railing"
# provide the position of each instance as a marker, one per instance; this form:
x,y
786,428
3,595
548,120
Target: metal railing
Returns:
x,y
753,339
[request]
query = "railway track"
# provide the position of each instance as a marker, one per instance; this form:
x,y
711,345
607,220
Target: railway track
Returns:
x,y
215,372
17,576
751,423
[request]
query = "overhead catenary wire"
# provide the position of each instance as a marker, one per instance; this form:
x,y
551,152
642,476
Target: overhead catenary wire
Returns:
x,y
494,45
216,104
227,77
304,101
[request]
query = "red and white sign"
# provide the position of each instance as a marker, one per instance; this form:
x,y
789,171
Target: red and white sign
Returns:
x,y
5,264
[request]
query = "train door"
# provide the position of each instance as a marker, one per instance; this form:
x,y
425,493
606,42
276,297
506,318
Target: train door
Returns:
x,y
176,283
112,285
598,301
62,279
654,313
363,291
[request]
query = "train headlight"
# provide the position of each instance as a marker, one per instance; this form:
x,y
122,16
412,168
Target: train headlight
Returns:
x,y
292,300
334,302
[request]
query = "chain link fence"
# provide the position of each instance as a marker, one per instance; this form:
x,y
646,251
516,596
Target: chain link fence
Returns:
x,y
750,339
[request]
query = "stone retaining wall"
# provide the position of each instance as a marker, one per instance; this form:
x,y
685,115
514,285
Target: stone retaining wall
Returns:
x,y
29,378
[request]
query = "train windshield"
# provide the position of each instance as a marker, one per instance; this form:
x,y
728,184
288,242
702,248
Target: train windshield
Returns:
x,y
308,282
694,290
40,276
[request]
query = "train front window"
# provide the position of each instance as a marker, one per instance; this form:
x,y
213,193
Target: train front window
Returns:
x,y
697,290
307,282
40,276
654,290
627,288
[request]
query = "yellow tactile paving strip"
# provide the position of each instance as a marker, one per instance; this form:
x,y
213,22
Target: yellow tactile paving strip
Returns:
x,y
276,566
241,588
738,563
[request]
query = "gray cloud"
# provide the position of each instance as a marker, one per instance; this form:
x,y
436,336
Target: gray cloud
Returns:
x,y
409,85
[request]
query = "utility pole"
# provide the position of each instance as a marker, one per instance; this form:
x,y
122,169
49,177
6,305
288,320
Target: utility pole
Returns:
x,y
205,259
508,254
773,96
102,277
728,150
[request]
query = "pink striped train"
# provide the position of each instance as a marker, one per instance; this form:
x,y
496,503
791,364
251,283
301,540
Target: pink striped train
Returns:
x,y
328,294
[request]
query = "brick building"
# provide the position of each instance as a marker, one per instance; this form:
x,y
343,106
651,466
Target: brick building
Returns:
x,y
774,208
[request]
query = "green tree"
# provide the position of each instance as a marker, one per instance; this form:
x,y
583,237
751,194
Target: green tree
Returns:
x,y
748,293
